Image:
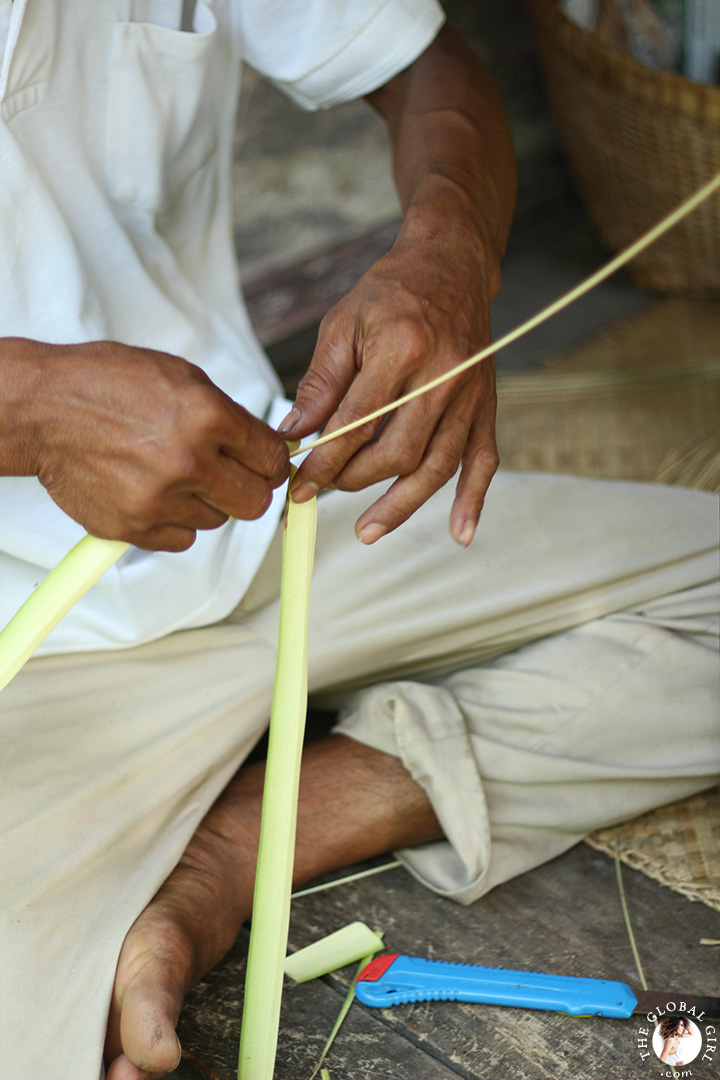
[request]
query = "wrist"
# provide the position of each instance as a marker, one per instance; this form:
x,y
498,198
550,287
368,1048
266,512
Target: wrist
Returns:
x,y
22,368
441,225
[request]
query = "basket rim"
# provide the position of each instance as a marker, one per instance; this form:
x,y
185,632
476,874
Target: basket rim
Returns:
x,y
617,68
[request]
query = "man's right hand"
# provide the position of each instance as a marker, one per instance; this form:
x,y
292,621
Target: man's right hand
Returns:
x,y
133,444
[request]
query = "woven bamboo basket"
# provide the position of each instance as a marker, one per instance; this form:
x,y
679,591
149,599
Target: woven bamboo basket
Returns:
x,y
638,141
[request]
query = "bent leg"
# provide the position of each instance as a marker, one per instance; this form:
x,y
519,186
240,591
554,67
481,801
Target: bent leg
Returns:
x,y
374,806
409,610
524,756
111,761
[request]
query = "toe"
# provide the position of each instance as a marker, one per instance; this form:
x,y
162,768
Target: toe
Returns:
x,y
150,1008
122,1068
153,973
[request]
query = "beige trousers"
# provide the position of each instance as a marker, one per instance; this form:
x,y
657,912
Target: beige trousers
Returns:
x,y
558,675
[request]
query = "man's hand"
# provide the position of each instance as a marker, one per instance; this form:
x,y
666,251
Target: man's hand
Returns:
x,y
422,309
134,444
404,323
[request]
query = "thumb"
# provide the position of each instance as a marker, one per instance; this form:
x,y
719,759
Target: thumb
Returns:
x,y
327,380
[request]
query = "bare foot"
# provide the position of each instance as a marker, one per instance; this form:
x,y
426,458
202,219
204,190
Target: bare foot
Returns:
x,y
186,929
373,805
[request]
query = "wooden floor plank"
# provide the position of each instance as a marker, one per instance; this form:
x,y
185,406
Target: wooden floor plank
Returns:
x,y
564,917
367,1046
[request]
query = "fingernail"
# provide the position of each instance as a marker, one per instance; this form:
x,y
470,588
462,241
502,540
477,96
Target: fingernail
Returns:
x,y
305,492
371,532
291,420
467,532
179,1046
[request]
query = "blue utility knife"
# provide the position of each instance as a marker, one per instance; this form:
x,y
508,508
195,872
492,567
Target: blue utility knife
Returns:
x,y
394,979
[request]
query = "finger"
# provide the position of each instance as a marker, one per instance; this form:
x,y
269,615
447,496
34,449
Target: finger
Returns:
x,y
158,532
250,442
480,464
200,493
323,465
404,439
185,514
391,355
232,489
156,518
178,532
162,538
408,493
198,514
328,378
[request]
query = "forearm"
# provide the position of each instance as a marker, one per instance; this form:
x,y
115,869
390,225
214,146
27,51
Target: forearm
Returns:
x,y
453,155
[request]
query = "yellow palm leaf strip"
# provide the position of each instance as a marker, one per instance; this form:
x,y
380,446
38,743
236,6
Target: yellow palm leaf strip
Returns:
x,y
626,915
55,595
564,301
273,882
347,879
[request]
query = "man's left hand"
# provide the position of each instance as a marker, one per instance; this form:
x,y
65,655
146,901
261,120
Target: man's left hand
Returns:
x,y
417,313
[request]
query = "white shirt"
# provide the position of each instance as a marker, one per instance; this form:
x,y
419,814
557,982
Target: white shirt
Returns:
x,y
116,133
5,12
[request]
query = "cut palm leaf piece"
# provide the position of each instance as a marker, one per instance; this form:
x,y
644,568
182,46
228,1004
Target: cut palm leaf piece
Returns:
x,y
346,946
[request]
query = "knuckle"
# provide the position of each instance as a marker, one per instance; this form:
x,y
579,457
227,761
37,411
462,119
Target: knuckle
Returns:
x,y
440,467
169,538
412,337
335,326
489,459
455,354
207,410
365,431
276,465
179,464
257,505
211,518
315,384
142,509
405,459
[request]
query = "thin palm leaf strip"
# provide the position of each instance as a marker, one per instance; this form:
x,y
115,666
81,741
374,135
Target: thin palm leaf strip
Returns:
x,y
24,637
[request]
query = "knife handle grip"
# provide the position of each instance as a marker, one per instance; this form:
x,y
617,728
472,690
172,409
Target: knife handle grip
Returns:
x,y
408,979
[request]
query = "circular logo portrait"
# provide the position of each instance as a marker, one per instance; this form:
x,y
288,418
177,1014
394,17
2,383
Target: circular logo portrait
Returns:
x,y
677,1040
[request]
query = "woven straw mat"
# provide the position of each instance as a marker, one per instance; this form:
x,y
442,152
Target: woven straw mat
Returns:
x,y
639,401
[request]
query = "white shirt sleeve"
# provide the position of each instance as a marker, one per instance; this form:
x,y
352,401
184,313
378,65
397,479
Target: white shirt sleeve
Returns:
x,y
323,52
